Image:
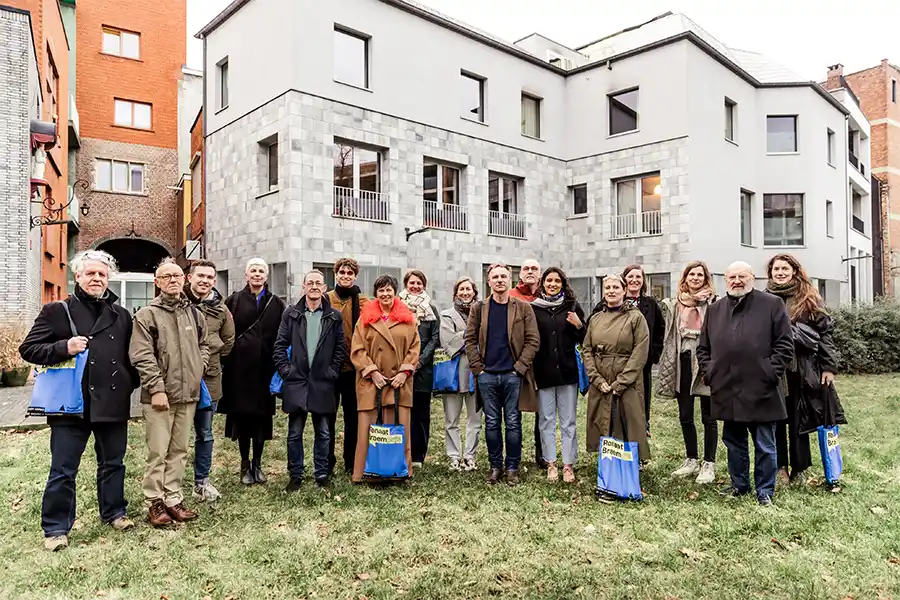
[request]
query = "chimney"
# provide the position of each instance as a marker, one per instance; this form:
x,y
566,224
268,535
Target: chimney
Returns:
x,y
835,73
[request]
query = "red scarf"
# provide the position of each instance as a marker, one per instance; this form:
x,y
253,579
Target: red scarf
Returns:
x,y
399,313
523,292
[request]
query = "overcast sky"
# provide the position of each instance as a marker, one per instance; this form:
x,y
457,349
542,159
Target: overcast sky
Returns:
x,y
804,35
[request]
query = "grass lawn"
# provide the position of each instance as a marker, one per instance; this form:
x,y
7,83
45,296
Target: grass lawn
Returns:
x,y
447,535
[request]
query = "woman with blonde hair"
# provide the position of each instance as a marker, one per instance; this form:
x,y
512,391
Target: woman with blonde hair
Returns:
x,y
679,373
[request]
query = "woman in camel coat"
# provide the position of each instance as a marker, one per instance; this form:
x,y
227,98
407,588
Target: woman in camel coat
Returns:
x,y
615,350
385,352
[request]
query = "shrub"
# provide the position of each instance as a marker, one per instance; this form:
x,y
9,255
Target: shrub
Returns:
x,y
868,337
12,334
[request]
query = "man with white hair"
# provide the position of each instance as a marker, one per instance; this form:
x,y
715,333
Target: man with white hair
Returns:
x,y
90,320
744,348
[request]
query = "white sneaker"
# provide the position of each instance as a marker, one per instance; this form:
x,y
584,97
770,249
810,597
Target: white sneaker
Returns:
x,y
56,542
707,473
454,464
469,464
205,492
689,467
417,465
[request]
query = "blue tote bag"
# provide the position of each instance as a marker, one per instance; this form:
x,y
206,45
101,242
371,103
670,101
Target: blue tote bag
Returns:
x,y
57,388
205,398
584,383
446,373
386,457
276,386
618,467
830,449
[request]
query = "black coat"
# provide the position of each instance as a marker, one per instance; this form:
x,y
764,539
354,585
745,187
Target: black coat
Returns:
x,y
248,369
656,324
430,336
743,351
555,363
308,388
109,378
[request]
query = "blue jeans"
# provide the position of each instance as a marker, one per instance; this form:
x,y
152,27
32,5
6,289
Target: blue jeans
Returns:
x,y
321,445
68,440
500,395
203,443
734,435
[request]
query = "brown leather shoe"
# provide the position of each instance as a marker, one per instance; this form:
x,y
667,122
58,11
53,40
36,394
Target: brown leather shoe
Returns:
x,y
512,478
180,513
158,516
494,476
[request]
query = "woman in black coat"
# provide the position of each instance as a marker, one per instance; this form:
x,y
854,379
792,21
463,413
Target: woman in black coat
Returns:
x,y
248,370
636,294
810,370
429,323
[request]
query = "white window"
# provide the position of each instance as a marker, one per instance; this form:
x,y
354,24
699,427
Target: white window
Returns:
x,y
472,97
857,217
531,115
267,169
357,168
132,114
579,199
829,218
746,218
503,194
440,184
638,207
351,58
783,219
781,134
830,142
196,184
623,112
222,83
121,43
730,119
117,176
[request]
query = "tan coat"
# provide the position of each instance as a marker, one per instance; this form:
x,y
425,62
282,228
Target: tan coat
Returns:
x,y
615,350
168,351
524,342
345,307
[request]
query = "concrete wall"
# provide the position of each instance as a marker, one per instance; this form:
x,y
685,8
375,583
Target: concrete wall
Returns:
x,y
190,101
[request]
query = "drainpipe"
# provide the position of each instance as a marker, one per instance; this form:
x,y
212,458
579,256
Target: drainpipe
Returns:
x,y
203,158
847,203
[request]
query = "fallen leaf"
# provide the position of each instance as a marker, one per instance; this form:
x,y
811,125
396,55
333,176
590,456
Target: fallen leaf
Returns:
x,y
692,554
781,544
207,597
364,577
337,498
101,593
468,583
163,597
546,503
578,590
894,561
878,510
362,597
590,530
693,495
77,524
16,504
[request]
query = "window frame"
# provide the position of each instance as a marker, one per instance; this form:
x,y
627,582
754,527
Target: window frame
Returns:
x,y
573,190
829,218
119,33
196,185
365,39
610,98
129,169
731,114
802,244
893,91
133,104
439,188
482,112
796,149
222,73
355,166
508,179
830,137
748,197
538,108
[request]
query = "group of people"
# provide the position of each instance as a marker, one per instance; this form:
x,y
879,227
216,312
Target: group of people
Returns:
x,y
524,348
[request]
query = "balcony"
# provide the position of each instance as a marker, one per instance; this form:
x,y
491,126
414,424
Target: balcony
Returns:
x,y
637,225
506,225
364,205
857,164
74,127
445,216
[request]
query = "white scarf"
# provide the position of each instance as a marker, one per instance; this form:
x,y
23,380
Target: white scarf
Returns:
x,y
419,304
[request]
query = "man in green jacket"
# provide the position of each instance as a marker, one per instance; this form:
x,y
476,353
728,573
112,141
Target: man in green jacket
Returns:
x,y
170,351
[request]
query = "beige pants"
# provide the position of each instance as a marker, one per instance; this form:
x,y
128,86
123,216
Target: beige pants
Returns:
x,y
168,442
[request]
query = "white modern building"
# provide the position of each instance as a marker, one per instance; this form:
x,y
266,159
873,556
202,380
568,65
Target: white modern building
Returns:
x,y
337,128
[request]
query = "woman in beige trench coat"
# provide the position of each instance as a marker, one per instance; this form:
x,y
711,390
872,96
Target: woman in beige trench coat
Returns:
x,y
615,350
385,352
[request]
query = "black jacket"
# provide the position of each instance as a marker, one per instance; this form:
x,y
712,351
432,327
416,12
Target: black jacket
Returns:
x,y
248,369
743,351
656,324
430,336
109,378
305,388
555,363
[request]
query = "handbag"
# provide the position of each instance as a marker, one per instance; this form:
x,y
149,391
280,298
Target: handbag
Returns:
x,y
276,386
446,373
618,466
386,456
584,384
205,397
830,449
57,388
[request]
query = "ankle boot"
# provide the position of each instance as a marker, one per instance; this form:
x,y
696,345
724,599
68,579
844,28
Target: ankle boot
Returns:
x,y
258,475
246,473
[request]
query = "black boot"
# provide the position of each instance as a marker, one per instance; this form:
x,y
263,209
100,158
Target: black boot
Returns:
x,y
258,475
247,473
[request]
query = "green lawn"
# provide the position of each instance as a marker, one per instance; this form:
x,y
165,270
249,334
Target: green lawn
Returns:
x,y
447,535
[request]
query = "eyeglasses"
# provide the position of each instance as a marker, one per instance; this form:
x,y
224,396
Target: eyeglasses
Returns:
x,y
170,276
315,284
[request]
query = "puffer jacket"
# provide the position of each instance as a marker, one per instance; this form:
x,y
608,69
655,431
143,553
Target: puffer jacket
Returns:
x,y
169,349
219,337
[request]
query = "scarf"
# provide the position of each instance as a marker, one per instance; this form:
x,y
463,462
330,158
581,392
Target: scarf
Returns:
x,y
350,292
524,292
785,291
419,305
463,308
634,302
553,301
693,311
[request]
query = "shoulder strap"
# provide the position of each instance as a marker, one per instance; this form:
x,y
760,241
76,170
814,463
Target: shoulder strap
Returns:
x,y
258,319
196,322
65,306
379,418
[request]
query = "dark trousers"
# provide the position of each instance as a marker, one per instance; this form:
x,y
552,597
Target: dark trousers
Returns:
x,y
793,449
322,444
420,425
500,395
735,437
68,440
686,416
346,397
538,448
648,392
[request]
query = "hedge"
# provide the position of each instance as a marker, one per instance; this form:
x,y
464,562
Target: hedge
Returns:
x,y
868,337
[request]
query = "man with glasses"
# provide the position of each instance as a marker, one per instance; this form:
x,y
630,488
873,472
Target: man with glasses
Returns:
x,y
314,332
170,351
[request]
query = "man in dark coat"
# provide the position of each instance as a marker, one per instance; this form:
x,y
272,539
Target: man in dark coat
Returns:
x,y
744,348
314,332
248,369
93,322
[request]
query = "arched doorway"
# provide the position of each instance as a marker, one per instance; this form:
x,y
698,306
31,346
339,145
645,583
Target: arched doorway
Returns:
x,y
137,260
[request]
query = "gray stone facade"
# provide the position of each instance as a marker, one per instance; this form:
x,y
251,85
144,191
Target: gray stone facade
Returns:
x,y
295,224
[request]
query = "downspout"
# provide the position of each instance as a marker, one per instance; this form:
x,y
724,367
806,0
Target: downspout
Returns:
x,y
847,204
203,158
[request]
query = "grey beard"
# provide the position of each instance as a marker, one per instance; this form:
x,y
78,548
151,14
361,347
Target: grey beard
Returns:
x,y
739,294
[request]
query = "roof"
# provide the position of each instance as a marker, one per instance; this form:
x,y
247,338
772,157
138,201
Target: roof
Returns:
x,y
763,68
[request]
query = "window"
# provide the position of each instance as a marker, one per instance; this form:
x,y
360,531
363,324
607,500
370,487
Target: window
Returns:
x,y
659,285
472,97
440,184
272,166
857,220
357,168
121,43
746,218
894,91
583,287
196,184
829,218
222,282
132,114
116,176
579,199
222,83
730,114
623,112
503,194
783,219
53,86
531,116
267,169
781,134
830,142
278,280
637,208
366,278
485,290
822,284
351,58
